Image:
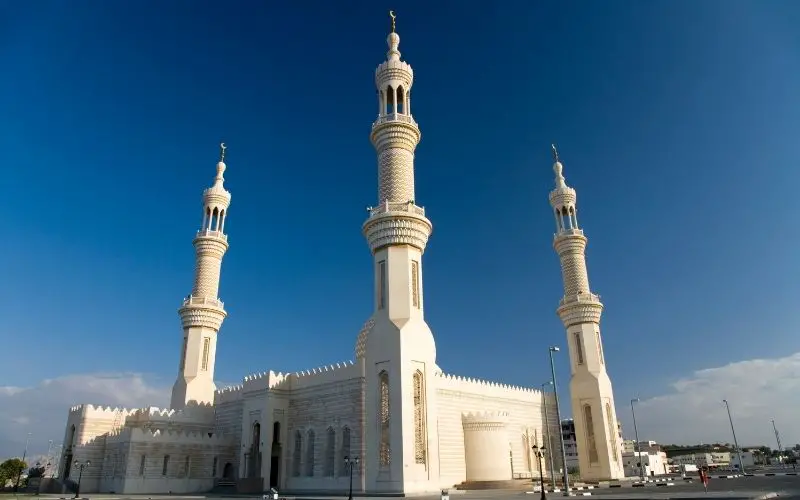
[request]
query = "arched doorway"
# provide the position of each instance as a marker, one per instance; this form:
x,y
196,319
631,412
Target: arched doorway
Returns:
x,y
254,467
275,456
227,471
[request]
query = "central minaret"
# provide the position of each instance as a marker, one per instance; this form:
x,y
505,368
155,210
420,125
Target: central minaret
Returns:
x,y
202,312
396,348
599,454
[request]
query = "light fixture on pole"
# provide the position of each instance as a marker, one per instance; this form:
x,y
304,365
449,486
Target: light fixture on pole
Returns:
x,y
350,462
538,452
80,466
547,430
638,444
24,454
733,431
553,349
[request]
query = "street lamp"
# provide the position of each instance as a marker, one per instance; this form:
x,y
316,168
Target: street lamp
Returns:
x,y
80,466
547,430
638,445
24,454
735,443
538,452
553,349
349,462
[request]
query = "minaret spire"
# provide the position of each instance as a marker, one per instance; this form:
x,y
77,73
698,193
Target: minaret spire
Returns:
x,y
202,312
580,311
396,347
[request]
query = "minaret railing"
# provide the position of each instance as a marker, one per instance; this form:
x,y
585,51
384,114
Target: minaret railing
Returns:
x,y
209,232
388,206
191,300
394,117
580,298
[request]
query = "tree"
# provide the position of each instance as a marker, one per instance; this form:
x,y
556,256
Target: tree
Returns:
x,y
10,470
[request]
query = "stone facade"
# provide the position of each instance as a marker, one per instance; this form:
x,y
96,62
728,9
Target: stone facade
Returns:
x,y
414,428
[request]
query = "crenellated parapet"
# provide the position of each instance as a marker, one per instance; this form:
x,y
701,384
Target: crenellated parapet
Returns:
x,y
485,420
449,382
269,380
189,416
139,435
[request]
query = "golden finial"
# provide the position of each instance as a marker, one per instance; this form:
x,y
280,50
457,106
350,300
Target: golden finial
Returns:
x,y
222,148
555,153
393,16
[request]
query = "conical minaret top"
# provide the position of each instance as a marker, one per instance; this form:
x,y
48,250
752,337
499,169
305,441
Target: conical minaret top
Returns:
x,y
395,135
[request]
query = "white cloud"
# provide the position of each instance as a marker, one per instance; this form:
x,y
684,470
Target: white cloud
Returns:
x,y
758,391
42,409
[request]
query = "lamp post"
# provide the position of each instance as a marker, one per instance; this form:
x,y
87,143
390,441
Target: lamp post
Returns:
x,y
80,466
547,430
539,453
558,415
638,445
349,462
735,443
24,454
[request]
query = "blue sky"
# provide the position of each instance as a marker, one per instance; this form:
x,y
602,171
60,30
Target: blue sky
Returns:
x,y
677,123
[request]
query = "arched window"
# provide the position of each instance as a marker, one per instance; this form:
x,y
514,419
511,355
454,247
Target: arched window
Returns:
x,y
298,452
385,452
420,438
330,451
578,348
310,453
345,449
590,439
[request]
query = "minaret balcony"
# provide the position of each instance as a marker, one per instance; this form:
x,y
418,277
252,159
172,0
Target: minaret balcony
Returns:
x,y
581,298
569,232
215,234
191,300
388,206
394,117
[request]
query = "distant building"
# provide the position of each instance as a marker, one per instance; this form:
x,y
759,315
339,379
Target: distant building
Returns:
x,y
629,446
714,459
653,463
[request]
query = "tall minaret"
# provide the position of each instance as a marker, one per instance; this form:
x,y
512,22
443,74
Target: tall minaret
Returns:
x,y
396,349
599,454
202,312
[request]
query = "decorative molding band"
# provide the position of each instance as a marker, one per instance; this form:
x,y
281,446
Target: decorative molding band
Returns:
x,y
397,228
395,134
563,196
570,242
204,315
579,312
208,245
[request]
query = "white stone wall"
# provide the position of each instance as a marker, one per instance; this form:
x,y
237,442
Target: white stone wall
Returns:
x,y
458,396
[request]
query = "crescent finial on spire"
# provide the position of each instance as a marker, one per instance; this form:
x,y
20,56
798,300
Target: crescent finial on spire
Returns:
x,y
222,148
555,153
393,16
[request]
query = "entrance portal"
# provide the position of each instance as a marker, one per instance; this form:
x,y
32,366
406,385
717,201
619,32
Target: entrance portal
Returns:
x,y
275,456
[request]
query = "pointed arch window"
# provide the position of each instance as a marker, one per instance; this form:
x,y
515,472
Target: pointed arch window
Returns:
x,y
310,453
578,348
599,346
345,449
415,284
206,350
419,419
588,419
297,455
384,450
330,451
612,433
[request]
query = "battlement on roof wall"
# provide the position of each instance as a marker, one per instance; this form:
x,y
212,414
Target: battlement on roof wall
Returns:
x,y
138,435
446,381
288,381
192,414
100,412
485,416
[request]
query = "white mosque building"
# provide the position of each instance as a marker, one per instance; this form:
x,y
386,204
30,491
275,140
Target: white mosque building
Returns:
x,y
411,427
